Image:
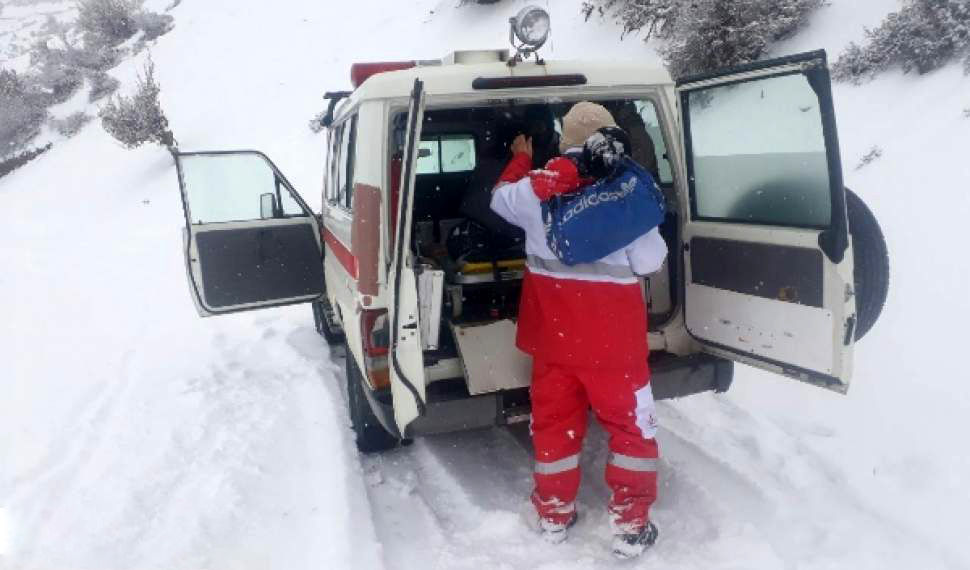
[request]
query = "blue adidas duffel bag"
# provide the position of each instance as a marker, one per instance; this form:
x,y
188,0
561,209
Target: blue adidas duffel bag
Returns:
x,y
587,225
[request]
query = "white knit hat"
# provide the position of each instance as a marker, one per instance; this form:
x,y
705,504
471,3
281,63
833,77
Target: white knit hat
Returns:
x,y
581,122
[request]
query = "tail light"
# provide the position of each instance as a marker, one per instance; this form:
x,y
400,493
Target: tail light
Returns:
x,y
375,328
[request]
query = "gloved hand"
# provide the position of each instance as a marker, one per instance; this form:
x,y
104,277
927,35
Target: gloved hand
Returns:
x,y
560,176
521,162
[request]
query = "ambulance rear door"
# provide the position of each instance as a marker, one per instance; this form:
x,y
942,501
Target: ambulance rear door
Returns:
x,y
766,250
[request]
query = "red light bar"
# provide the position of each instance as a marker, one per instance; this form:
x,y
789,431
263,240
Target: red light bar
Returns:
x,y
359,72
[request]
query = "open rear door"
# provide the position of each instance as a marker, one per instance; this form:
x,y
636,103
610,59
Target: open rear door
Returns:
x,y
407,357
766,246
250,241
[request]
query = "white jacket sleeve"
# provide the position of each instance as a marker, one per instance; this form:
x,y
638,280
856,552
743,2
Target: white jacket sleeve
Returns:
x,y
647,253
514,200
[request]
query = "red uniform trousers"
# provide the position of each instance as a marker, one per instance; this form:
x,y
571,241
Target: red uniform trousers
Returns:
x,y
623,403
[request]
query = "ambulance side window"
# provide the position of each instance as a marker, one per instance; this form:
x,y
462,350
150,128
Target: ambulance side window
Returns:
x,y
332,165
345,164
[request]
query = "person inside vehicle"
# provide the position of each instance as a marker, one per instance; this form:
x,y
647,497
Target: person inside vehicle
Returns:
x,y
585,326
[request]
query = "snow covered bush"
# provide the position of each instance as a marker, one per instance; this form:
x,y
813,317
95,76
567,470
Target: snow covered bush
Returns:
x,y
16,161
154,25
107,22
22,112
72,124
702,36
138,119
111,22
102,85
57,74
922,36
61,70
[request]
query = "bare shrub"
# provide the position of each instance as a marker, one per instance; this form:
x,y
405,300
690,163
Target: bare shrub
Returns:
x,y
22,112
138,119
72,124
922,36
703,36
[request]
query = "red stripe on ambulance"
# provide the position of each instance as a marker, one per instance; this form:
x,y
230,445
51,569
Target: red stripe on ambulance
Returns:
x,y
341,252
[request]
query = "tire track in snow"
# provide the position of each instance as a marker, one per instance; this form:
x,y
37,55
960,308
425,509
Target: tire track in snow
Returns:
x,y
745,497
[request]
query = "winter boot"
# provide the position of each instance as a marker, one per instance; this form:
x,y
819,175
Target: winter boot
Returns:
x,y
631,545
555,533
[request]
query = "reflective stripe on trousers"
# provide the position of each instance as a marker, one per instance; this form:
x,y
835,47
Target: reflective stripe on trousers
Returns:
x,y
632,463
595,269
559,466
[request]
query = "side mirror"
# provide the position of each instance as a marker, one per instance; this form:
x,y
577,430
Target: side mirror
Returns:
x,y
267,206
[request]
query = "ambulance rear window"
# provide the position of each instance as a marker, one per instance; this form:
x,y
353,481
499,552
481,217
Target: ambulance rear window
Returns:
x,y
446,154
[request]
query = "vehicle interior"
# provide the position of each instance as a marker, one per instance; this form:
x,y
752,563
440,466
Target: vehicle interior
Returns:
x,y
481,256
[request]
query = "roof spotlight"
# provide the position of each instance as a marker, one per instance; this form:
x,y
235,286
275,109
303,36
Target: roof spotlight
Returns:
x,y
531,27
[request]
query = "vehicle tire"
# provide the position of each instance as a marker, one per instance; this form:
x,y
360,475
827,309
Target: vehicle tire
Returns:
x,y
871,257
370,434
323,321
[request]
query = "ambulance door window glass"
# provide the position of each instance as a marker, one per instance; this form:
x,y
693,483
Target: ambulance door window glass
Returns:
x,y
457,153
651,122
759,153
230,188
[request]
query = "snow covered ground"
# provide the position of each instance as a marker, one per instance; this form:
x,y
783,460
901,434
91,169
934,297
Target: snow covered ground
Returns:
x,y
134,435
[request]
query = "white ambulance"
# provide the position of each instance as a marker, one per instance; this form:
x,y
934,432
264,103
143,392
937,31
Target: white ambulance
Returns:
x,y
773,263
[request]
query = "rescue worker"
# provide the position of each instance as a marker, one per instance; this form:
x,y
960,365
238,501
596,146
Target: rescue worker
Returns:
x,y
585,326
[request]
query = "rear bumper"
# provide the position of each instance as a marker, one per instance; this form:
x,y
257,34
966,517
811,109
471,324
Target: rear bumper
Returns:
x,y
671,377
679,376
